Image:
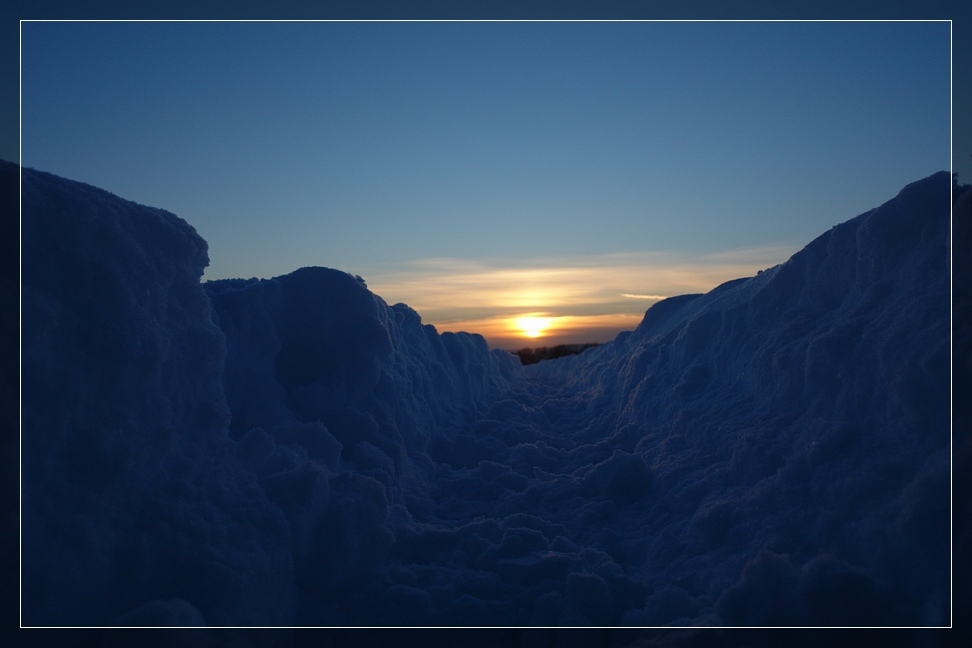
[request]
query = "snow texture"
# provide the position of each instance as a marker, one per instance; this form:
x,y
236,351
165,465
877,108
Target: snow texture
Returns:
x,y
295,451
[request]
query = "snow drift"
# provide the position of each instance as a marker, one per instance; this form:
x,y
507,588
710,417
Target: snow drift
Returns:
x,y
295,451
132,492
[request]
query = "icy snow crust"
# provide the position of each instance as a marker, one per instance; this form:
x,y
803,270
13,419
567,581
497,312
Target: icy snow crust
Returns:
x,y
295,451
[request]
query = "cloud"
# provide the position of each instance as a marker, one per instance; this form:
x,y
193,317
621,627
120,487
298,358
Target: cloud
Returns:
x,y
652,297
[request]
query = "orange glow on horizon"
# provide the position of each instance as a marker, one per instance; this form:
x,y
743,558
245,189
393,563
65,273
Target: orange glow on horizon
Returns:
x,y
550,301
506,333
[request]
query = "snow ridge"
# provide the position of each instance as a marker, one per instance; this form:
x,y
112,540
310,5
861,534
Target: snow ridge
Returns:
x,y
803,412
296,451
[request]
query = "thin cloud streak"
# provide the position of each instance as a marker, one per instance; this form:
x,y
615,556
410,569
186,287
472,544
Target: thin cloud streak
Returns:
x,y
654,297
607,291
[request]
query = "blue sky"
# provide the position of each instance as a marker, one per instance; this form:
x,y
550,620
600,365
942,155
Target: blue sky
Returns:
x,y
485,171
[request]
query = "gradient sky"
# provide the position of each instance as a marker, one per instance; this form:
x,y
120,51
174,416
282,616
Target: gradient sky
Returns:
x,y
483,172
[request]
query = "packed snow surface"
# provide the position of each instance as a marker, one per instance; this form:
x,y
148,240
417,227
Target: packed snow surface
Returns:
x,y
295,451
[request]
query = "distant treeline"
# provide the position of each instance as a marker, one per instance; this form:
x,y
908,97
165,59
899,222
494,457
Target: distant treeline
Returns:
x,y
530,356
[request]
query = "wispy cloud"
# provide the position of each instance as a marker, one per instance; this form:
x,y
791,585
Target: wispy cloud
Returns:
x,y
608,291
654,297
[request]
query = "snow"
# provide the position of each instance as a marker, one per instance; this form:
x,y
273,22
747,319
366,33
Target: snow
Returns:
x,y
295,451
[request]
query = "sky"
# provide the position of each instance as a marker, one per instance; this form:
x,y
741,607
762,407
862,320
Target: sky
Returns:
x,y
536,182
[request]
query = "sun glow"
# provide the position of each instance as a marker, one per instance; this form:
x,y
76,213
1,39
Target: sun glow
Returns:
x,y
533,327
513,303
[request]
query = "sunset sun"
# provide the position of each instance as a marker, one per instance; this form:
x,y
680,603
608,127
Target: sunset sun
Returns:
x,y
533,327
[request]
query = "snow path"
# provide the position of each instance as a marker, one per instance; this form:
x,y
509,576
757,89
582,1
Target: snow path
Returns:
x,y
297,451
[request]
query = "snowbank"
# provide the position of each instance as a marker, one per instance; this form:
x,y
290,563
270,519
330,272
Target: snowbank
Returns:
x,y
797,424
296,451
336,398
131,490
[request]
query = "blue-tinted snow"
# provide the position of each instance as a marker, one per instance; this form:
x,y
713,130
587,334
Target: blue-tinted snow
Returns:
x,y
297,451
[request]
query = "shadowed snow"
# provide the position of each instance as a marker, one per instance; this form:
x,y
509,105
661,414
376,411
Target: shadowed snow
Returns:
x,y
297,451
